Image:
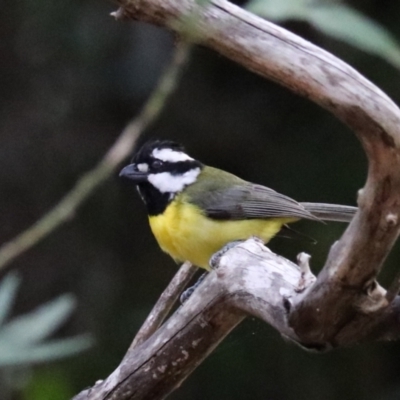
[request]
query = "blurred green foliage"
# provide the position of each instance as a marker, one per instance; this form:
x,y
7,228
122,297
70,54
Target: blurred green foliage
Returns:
x,y
71,78
336,20
48,384
24,339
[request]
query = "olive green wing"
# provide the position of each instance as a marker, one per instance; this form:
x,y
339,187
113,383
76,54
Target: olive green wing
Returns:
x,y
224,196
251,201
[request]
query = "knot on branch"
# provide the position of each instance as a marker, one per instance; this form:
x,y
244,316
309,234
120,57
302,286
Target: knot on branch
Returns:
x,y
392,220
374,299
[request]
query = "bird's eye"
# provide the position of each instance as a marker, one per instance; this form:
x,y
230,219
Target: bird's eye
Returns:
x,y
156,164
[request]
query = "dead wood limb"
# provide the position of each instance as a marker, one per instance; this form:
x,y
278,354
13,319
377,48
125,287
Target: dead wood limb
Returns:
x,y
344,304
250,280
275,53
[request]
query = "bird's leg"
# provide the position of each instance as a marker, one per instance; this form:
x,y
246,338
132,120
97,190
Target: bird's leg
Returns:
x,y
188,292
214,260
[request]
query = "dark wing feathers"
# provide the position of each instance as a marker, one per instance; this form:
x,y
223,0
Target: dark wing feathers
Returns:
x,y
248,201
225,196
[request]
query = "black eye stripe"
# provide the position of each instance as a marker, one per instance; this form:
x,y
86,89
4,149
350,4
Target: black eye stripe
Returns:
x,y
176,168
145,156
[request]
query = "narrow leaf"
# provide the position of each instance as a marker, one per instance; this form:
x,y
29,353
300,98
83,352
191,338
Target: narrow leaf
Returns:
x,y
336,20
11,355
8,291
279,10
347,24
38,324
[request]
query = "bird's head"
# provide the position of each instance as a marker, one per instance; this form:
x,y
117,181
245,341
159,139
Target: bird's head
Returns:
x,y
161,170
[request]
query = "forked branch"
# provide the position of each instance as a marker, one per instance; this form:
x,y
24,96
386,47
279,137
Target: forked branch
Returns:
x,y
344,304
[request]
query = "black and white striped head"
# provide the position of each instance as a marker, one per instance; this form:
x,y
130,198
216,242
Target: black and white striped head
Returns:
x,y
161,170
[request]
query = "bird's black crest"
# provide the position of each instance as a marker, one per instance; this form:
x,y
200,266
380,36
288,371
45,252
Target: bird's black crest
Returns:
x,y
143,154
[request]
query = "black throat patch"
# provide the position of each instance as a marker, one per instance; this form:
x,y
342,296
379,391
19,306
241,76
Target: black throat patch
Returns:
x,y
156,202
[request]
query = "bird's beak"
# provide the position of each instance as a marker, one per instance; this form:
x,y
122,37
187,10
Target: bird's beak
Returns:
x,y
131,172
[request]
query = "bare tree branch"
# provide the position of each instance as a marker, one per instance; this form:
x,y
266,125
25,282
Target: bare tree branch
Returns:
x,y
250,280
312,72
121,149
344,305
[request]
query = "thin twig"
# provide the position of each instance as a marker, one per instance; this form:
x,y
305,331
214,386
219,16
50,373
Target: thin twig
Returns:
x,y
123,146
164,303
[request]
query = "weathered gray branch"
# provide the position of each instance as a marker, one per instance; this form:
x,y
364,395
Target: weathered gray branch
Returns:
x,y
250,279
344,304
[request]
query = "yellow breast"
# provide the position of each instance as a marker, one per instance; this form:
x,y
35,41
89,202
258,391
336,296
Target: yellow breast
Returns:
x,y
186,234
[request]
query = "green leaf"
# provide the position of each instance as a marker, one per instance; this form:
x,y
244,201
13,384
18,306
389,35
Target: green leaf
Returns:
x,y
336,20
347,24
19,338
279,10
38,324
8,291
13,354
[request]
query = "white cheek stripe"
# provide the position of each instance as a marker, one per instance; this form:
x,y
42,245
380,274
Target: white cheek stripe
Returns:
x,y
165,182
170,155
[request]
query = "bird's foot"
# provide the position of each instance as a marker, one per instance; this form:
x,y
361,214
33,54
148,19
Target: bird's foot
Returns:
x,y
189,291
214,260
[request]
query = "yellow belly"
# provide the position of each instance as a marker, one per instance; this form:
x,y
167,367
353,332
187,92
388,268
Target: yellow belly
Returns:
x,y
187,235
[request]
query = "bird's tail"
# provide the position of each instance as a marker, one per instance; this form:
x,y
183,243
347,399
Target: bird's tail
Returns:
x,y
331,212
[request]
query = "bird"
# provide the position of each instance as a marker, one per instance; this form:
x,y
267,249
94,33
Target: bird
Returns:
x,y
195,210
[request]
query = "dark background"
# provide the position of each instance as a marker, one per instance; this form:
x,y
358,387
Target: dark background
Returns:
x,y
71,77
